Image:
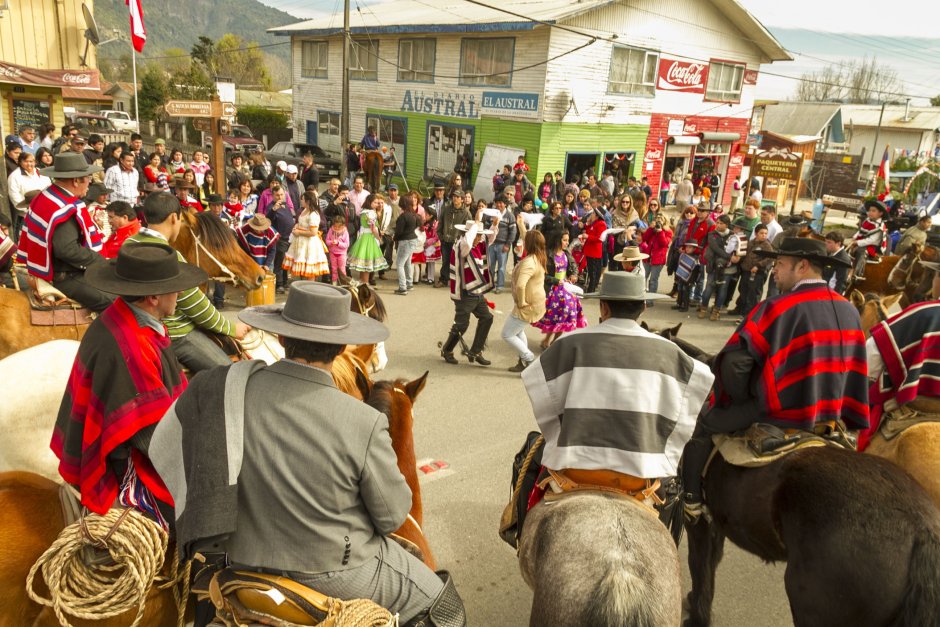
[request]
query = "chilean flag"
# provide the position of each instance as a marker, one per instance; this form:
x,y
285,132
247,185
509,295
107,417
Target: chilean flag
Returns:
x,y
884,173
138,31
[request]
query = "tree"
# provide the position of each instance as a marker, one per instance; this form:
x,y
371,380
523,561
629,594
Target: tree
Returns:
x,y
935,101
242,62
204,52
153,92
857,82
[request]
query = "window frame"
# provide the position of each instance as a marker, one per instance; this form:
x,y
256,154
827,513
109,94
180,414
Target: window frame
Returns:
x,y
363,43
411,40
326,59
648,52
462,80
403,155
716,63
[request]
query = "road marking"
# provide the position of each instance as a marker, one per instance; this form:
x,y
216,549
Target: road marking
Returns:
x,y
430,469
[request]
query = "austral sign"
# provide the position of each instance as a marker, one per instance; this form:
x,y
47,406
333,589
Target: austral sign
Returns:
x,y
510,104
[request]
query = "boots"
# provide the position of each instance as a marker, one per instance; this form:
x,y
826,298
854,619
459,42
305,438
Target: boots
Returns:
x,y
520,365
715,316
475,354
447,349
702,312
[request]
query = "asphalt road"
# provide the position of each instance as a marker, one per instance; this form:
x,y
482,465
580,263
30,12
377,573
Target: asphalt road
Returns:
x,y
475,418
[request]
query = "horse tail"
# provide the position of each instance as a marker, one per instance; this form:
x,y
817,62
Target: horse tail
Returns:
x,y
921,604
618,599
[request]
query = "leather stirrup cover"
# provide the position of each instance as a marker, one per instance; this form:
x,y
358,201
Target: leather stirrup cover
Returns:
x,y
447,609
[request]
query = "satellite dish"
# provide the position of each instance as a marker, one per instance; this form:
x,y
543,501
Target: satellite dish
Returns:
x,y
91,32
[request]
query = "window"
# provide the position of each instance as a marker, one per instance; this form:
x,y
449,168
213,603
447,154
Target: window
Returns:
x,y
391,132
328,132
724,81
633,71
487,61
416,60
364,60
313,57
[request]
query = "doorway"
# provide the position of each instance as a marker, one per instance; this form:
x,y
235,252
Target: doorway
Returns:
x,y
620,165
580,164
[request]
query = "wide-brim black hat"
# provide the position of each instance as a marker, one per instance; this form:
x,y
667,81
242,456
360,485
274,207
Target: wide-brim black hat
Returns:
x,y
144,270
877,204
316,312
804,248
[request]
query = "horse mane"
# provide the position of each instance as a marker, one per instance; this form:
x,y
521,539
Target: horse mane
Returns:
x,y
383,394
378,307
344,371
211,228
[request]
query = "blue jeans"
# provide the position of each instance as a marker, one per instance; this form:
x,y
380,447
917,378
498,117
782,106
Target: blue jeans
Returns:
x,y
403,263
653,273
497,259
514,334
699,286
717,284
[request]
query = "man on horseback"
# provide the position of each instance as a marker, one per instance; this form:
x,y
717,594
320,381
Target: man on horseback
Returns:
x,y
871,239
59,240
124,378
311,488
194,315
615,403
796,360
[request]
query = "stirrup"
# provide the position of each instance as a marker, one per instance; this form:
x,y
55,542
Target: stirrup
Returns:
x,y
694,511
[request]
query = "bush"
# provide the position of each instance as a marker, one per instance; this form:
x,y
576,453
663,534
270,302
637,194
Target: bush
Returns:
x,y
257,118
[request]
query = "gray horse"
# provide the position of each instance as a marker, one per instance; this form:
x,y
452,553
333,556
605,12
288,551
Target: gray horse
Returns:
x,y
599,560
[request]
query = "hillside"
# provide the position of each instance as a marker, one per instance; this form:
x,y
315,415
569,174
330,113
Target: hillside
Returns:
x,y
174,24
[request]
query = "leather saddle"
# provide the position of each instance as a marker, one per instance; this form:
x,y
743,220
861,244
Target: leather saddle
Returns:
x,y
761,443
570,480
50,308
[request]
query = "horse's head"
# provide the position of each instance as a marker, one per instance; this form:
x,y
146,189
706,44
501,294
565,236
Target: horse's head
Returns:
x,y
207,242
873,308
396,400
366,301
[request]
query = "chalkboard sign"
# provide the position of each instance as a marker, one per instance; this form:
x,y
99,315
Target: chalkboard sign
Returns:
x,y
32,112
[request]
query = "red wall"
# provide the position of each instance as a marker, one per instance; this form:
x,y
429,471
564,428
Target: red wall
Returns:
x,y
659,123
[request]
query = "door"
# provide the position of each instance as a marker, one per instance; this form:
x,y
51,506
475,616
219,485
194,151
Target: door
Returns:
x,y
445,142
391,133
311,132
579,164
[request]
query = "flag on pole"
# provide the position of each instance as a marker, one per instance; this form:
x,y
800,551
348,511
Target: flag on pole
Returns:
x,y
884,173
138,31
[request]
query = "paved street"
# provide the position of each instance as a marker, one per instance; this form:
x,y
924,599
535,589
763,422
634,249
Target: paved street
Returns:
x,y
474,419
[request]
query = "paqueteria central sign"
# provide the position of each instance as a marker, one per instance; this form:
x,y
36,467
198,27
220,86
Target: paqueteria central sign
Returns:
x,y
778,163
682,76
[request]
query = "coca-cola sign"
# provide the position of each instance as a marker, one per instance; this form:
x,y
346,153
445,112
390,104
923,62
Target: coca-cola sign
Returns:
x,y
750,77
682,76
654,154
78,79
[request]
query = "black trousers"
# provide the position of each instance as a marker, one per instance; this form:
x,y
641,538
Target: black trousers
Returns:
x,y
475,305
280,274
594,268
74,286
446,249
699,447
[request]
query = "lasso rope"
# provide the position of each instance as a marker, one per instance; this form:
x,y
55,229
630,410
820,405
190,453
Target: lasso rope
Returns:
x,y
360,613
136,544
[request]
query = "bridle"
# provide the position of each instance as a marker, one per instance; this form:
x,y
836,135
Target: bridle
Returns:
x,y
363,309
231,277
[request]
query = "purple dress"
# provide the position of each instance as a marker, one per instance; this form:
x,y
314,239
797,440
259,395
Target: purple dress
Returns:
x,y
562,308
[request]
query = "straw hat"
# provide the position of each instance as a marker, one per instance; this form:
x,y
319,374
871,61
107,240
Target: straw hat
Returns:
x,y
631,253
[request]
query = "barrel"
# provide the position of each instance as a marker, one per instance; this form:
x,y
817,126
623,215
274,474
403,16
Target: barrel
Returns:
x,y
264,295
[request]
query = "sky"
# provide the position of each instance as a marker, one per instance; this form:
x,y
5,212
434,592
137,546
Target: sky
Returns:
x,y
906,30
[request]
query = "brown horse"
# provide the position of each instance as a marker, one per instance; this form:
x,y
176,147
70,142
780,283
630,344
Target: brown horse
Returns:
x,y
372,164
861,539
898,274
204,241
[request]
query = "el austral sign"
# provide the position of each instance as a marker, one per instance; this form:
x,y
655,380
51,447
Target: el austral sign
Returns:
x,y
470,105
512,104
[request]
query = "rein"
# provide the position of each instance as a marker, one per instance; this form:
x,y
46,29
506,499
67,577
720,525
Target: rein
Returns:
x,y
363,310
200,246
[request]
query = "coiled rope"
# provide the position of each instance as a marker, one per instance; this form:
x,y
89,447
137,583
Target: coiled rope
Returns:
x,y
137,546
361,613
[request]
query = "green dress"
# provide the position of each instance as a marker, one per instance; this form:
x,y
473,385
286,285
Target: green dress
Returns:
x,y
366,254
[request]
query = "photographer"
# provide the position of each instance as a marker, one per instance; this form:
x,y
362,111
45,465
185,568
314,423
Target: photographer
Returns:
x,y
282,221
655,242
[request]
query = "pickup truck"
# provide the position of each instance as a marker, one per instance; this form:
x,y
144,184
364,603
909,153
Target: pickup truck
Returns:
x,y
241,140
122,120
89,123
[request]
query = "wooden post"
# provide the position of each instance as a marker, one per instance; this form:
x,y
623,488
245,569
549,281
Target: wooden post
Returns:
x,y
218,148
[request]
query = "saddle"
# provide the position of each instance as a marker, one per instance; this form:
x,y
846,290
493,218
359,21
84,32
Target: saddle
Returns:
x,y
761,443
558,483
249,598
50,308
896,421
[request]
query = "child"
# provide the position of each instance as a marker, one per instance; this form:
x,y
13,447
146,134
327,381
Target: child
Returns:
x,y
687,273
234,208
124,223
754,269
306,256
259,240
521,164
594,226
337,242
656,242
432,248
872,237
418,258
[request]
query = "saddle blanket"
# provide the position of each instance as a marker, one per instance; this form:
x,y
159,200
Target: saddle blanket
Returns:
x,y
895,422
736,451
60,317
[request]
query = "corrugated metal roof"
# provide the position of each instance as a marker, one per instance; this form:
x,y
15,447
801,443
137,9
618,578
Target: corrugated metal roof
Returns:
x,y
919,118
799,118
416,16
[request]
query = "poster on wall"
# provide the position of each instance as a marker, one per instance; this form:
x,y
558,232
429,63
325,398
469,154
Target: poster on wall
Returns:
x,y
682,76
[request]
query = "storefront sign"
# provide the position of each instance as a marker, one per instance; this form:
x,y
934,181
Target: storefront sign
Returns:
x,y
505,103
736,161
653,154
777,163
675,127
78,79
750,77
682,76
451,104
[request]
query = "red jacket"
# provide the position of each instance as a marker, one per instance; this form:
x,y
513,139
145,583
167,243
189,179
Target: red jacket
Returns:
x,y
656,245
698,232
593,247
113,245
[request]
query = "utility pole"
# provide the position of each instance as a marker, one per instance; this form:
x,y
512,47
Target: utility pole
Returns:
x,y
344,115
874,148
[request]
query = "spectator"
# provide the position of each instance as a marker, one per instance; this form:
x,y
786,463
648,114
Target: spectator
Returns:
x,y
123,179
259,240
124,223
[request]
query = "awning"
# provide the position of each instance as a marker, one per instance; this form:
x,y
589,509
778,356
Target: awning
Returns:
x,y
720,137
86,78
684,140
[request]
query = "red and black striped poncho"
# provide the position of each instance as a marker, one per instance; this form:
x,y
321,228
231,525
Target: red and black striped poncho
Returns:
x,y
124,378
810,353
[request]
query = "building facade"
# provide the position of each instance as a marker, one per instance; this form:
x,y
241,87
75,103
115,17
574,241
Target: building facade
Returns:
x,y
572,86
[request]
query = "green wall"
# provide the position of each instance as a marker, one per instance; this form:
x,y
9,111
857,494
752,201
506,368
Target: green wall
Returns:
x,y
558,139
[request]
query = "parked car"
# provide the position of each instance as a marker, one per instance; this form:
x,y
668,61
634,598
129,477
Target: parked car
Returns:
x,y
241,140
292,153
90,123
122,120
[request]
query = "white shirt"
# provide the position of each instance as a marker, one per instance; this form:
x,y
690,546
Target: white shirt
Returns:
x,y
773,229
123,183
756,195
357,199
19,183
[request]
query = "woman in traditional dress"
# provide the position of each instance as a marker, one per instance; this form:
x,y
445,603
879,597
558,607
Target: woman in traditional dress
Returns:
x,y
432,248
563,311
365,256
306,256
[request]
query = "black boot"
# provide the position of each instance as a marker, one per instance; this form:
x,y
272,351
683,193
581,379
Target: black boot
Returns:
x,y
475,354
446,610
447,348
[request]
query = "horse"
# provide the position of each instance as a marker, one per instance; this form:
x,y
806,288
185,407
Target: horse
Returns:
x,y
372,163
31,518
861,539
203,240
899,274
917,448
367,302
601,560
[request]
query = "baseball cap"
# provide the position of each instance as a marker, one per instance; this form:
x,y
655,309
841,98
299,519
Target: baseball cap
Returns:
x,y
282,165
292,169
160,142
393,186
